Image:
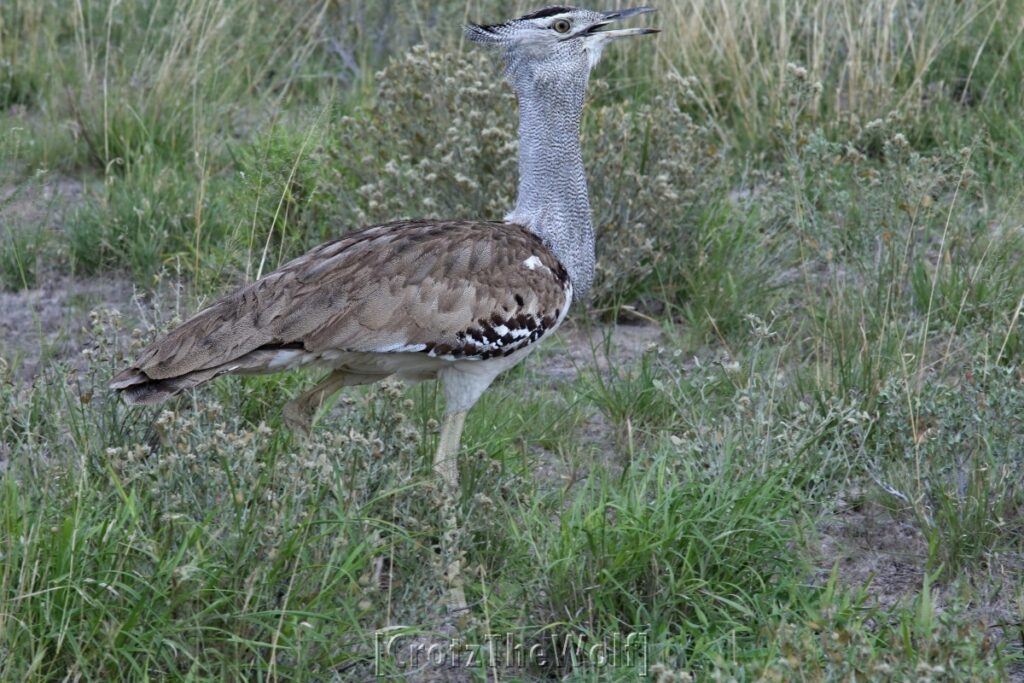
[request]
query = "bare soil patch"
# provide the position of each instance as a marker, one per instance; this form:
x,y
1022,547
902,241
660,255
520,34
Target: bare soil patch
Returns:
x,y
48,321
875,551
41,202
578,346
51,321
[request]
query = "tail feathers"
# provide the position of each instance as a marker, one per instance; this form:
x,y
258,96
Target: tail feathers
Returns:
x,y
138,388
144,391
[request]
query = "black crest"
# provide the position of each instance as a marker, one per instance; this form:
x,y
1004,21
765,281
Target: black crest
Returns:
x,y
546,12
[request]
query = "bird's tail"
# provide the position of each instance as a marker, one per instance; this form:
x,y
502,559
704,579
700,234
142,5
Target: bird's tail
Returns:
x,y
138,388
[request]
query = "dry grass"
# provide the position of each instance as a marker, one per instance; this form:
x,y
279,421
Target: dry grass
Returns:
x,y
869,57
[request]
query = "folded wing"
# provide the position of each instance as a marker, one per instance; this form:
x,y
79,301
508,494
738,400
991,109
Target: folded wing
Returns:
x,y
453,290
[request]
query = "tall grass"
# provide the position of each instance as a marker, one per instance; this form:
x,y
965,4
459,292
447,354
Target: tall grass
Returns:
x,y
818,201
869,57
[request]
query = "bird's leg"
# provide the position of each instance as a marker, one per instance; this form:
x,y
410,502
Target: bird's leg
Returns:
x,y
446,466
299,412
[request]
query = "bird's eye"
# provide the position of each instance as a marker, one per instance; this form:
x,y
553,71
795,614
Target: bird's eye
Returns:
x,y
562,26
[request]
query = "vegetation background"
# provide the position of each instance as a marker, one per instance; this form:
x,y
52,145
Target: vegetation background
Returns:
x,y
784,438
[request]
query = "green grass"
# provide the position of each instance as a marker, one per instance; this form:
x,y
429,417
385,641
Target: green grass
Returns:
x,y
813,474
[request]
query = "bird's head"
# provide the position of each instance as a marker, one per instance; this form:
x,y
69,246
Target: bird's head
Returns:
x,y
555,43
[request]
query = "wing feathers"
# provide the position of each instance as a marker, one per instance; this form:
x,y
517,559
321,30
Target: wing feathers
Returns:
x,y
406,285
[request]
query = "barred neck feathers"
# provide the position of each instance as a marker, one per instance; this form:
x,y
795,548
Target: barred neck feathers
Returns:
x,y
553,201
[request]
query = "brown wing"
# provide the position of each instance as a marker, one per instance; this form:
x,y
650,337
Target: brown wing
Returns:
x,y
447,288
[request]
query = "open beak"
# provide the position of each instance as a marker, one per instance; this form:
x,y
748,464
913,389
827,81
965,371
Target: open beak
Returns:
x,y
618,15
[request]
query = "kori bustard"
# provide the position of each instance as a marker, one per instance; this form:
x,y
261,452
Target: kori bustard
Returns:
x,y
456,300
